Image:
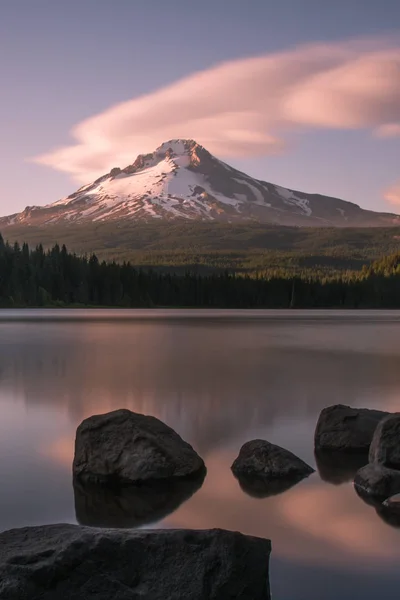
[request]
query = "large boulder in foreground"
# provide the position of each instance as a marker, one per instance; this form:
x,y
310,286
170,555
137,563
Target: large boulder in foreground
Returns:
x,y
377,481
267,463
385,445
345,429
65,562
126,447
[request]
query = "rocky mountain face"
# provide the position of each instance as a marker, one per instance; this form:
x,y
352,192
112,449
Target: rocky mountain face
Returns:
x,y
182,180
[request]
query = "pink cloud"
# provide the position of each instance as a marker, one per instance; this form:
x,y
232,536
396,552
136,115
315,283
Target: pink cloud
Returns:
x,y
244,107
392,195
388,131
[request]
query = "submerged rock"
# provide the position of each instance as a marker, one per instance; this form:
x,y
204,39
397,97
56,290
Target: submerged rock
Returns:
x,y
123,447
377,481
61,562
262,461
385,445
132,505
346,429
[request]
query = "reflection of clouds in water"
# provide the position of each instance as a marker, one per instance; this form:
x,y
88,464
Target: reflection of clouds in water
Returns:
x,y
311,523
211,381
366,332
334,516
60,451
218,384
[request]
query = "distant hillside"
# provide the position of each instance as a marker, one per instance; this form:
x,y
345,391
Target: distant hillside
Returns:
x,y
217,246
58,278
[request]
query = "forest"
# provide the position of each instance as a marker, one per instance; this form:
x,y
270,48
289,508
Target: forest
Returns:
x,y
57,278
203,247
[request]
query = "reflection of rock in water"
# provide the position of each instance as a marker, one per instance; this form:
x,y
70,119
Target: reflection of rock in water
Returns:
x,y
259,487
133,505
337,468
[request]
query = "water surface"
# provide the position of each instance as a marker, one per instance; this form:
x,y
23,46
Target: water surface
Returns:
x,y
220,378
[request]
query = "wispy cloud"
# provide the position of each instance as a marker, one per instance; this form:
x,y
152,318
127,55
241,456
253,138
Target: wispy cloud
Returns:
x,y
389,130
392,194
245,107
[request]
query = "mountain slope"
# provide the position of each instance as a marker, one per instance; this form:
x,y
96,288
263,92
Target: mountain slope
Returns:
x,y
181,180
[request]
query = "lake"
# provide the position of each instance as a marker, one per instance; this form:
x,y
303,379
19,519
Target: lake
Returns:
x,y
219,378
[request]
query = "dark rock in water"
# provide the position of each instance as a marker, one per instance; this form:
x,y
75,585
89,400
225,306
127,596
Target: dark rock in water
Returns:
x,y
260,487
393,503
68,562
346,429
385,445
377,481
123,447
338,467
389,511
389,514
132,505
259,459
381,477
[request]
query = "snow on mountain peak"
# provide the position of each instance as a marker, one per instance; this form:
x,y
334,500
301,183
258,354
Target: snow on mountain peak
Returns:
x,y
181,179
178,147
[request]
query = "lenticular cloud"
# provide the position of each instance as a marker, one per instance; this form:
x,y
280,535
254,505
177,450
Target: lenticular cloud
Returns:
x,y
245,107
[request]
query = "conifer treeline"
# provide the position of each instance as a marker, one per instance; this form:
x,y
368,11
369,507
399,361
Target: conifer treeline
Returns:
x,y
58,278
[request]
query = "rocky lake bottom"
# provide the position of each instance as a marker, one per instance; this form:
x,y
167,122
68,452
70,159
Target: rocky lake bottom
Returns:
x,y
220,379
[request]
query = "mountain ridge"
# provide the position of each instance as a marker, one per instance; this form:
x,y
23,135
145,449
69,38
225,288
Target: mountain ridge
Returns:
x,y
181,180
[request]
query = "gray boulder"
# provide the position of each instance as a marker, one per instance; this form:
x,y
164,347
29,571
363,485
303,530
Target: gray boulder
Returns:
x,y
260,460
125,447
346,429
385,445
377,481
68,562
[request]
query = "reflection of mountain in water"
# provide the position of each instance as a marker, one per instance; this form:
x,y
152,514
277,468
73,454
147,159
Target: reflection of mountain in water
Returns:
x,y
134,505
211,381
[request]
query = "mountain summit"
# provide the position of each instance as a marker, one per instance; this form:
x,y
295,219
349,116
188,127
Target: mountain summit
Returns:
x,y
182,180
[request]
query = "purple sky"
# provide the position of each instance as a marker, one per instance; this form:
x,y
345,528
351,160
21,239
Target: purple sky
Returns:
x,y
62,63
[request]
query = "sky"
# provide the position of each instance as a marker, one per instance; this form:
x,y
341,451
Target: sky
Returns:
x,y
302,93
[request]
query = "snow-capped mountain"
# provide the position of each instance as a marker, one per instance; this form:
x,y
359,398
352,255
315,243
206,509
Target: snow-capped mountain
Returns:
x,y
182,180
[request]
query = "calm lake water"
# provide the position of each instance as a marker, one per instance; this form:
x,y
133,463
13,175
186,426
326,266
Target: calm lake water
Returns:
x,y
220,378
